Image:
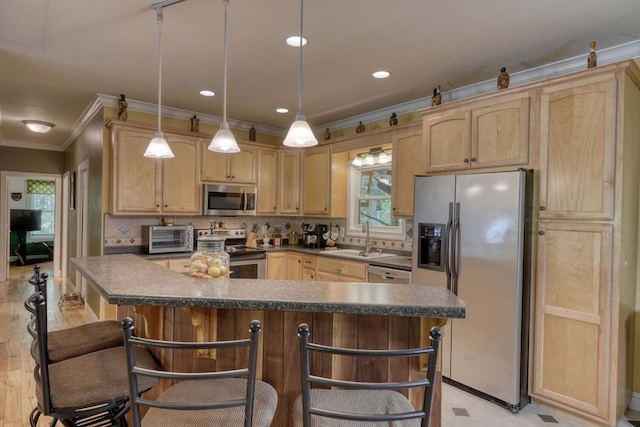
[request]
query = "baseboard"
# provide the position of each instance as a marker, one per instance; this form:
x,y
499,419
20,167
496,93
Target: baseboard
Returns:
x,y
634,403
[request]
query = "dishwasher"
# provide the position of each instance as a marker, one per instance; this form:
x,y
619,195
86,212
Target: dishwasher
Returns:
x,y
388,275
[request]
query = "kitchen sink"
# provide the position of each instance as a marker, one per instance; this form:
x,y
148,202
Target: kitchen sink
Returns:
x,y
355,253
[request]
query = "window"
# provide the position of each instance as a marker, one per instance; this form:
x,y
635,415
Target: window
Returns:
x,y
42,196
370,199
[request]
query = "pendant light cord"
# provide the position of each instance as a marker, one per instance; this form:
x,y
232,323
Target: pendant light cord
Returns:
x,y
224,92
160,19
300,65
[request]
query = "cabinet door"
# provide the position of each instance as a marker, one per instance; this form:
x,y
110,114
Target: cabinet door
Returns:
x,y
289,191
267,181
276,266
572,315
500,134
577,151
214,165
323,276
294,266
408,160
308,274
316,181
447,141
181,189
136,182
242,165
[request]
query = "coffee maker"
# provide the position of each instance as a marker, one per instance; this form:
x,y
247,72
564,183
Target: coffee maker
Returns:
x,y
322,231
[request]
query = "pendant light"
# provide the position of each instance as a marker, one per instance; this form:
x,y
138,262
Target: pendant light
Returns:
x,y
300,133
158,148
223,141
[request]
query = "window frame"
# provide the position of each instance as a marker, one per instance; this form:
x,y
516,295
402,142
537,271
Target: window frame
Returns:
x,y
353,228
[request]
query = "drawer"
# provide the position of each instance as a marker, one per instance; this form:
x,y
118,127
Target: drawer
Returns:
x,y
308,261
356,270
182,265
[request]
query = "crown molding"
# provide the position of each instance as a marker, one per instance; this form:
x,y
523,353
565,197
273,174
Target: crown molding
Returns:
x,y
610,55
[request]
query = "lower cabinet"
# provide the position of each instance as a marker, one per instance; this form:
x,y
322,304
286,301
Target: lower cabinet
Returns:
x,y
335,270
573,341
276,266
182,265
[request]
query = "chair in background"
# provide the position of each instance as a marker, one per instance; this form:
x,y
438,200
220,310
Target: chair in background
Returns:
x,y
356,403
78,340
223,398
91,389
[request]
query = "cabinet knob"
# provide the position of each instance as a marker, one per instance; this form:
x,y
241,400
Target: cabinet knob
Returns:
x,y
473,159
166,206
543,208
157,206
466,160
233,176
541,232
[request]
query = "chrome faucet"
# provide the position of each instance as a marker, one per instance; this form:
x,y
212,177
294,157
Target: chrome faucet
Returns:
x,y
367,244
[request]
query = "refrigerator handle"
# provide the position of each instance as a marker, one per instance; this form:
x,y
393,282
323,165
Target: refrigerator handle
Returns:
x,y
447,243
454,249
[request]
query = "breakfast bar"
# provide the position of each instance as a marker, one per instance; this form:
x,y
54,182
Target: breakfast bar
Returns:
x,y
170,305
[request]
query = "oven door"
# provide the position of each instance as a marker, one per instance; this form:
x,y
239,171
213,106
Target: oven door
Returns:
x,y
248,268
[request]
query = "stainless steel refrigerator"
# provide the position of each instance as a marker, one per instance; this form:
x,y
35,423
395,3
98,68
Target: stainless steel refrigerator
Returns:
x,y
472,234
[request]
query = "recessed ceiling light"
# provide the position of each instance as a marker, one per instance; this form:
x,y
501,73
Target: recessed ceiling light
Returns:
x,y
207,93
282,110
38,126
295,41
381,74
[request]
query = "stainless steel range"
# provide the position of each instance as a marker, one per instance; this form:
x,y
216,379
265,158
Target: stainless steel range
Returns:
x,y
246,263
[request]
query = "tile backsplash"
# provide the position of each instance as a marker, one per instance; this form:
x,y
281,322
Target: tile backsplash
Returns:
x,y
122,231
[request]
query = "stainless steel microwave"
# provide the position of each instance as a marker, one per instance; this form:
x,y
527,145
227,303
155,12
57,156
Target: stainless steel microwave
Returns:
x,y
162,239
229,199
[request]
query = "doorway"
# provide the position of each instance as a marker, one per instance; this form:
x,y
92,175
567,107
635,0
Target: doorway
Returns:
x,y
6,178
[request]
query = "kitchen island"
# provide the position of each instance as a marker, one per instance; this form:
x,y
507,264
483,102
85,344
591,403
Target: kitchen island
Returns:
x,y
169,305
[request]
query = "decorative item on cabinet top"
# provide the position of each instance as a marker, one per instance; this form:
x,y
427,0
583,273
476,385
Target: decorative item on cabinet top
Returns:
x,y
503,79
592,59
360,128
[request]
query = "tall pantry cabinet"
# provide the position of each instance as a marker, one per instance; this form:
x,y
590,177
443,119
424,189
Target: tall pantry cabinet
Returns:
x,y
585,287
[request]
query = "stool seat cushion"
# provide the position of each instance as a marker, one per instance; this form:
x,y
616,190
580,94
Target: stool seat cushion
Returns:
x,y
95,378
207,391
73,342
358,402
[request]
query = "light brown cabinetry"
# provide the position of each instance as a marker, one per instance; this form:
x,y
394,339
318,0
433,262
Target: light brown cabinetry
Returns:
x,y
316,181
573,314
336,270
181,265
300,266
487,134
141,185
587,242
267,181
289,180
237,167
407,161
577,153
276,266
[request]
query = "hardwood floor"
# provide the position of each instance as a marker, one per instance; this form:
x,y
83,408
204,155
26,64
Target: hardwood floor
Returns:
x,y
17,391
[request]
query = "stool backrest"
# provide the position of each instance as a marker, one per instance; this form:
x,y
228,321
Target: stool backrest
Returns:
x,y
248,372
37,328
307,349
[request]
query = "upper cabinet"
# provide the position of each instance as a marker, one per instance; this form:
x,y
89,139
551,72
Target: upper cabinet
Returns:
x,y
140,185
267,181
488,134
233,167
407,161
316,181
577,150
289,182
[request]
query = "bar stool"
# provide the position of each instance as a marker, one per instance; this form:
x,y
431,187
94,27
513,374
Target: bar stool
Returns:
x,y
223,398
78,340
356,403
91,389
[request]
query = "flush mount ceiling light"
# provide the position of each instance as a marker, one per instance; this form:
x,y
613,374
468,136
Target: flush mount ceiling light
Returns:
x,y
38,126
223,141
207,93
381,74
282,110
300,133
158,147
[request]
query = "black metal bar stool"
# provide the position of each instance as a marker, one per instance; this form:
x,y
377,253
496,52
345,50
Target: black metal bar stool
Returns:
x,y
222,398
91,389
357,403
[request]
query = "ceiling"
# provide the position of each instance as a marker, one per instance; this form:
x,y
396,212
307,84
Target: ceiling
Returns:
x,y
57,56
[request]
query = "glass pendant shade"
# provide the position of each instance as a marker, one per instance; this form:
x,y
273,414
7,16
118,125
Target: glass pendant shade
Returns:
x,y
223,141
158,147
357,162
300,134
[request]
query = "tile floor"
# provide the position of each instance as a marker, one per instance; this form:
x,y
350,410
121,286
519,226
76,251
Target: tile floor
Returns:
x,y
460,408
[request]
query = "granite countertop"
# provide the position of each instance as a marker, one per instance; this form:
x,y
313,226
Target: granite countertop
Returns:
x,y
132,280
400,261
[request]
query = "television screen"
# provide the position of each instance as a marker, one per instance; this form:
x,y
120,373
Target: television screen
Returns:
x,y
25,220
